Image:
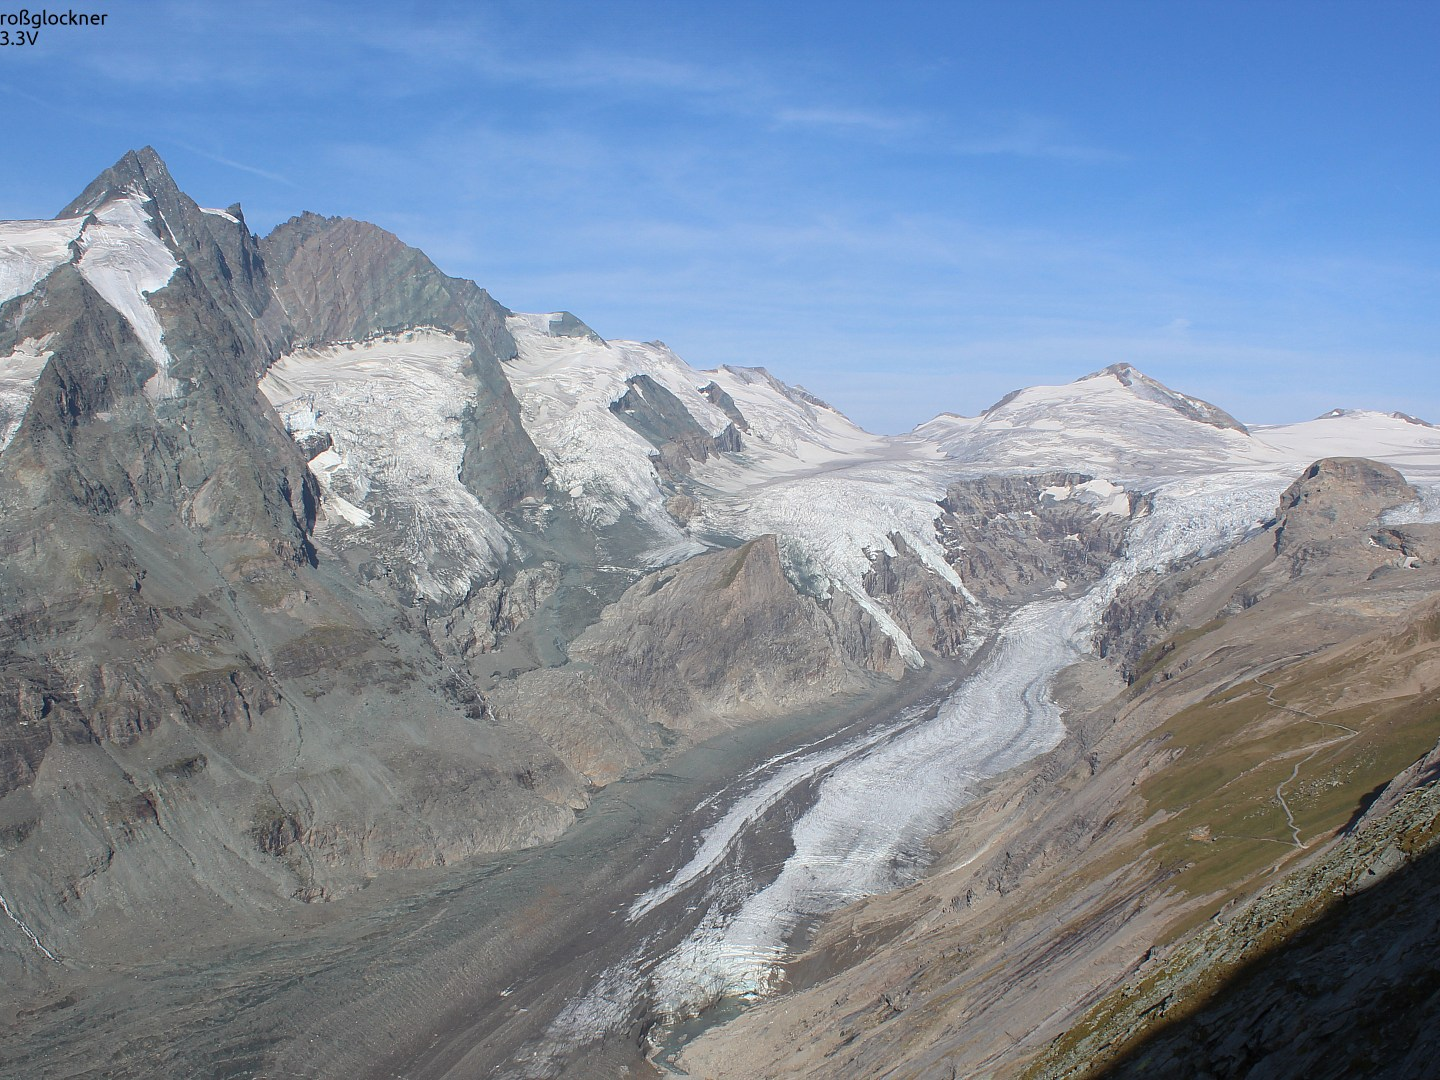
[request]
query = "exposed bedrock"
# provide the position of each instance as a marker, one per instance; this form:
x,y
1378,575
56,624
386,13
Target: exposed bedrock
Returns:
x,y
1012,537
1325,529
723,637
927,607
657,415
718,640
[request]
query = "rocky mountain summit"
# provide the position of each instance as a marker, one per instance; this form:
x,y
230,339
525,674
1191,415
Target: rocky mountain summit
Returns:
x,y
324,576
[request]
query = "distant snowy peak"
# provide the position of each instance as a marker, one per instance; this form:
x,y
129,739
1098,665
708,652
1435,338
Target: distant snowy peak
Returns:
x,y
1116,422
1336,414
1141,386
1409,445
1153,390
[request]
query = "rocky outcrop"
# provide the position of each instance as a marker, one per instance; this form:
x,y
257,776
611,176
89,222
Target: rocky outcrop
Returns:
x,y
657,416
1013,537
720,638
726,404
494,609
1324,530
1329,499
933,615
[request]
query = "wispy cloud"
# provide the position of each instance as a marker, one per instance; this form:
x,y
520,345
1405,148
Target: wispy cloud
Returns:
x,y
1032,137
873,120
232,164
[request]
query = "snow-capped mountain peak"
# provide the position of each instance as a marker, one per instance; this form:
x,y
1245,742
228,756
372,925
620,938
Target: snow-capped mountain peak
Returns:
x,y
1372,414
1117,422
1149,389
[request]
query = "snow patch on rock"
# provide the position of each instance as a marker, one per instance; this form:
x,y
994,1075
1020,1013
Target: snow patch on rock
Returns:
x,y
18,373
124,260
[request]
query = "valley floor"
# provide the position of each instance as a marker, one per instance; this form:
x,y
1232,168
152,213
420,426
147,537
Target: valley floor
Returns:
x,y
427,974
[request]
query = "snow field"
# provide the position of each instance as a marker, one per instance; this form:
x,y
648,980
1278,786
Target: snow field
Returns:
x,y
123,260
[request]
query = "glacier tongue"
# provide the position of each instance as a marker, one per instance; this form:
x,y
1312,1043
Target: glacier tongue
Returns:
x,y
883,795
392,407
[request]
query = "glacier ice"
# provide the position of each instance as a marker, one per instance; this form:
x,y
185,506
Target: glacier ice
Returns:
x,y
392,407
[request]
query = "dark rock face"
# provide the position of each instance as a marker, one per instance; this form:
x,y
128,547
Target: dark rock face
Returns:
x,y
222,255
932,614
657,416
726,404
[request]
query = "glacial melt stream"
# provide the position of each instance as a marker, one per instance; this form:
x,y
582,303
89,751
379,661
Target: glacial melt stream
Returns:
x,y
875,800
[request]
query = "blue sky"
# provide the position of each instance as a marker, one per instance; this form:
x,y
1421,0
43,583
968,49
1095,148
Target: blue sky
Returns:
x,y
909,208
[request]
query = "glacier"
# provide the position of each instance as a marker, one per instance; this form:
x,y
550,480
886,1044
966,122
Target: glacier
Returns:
x,y
123,260
391,406
878,797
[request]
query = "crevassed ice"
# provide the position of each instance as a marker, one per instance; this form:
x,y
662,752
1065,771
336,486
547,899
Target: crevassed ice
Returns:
x,y
832,517
565,386
1425,510
833,493
392,407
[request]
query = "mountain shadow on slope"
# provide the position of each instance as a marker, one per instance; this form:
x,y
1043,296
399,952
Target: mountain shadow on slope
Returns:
x,y
1356,994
